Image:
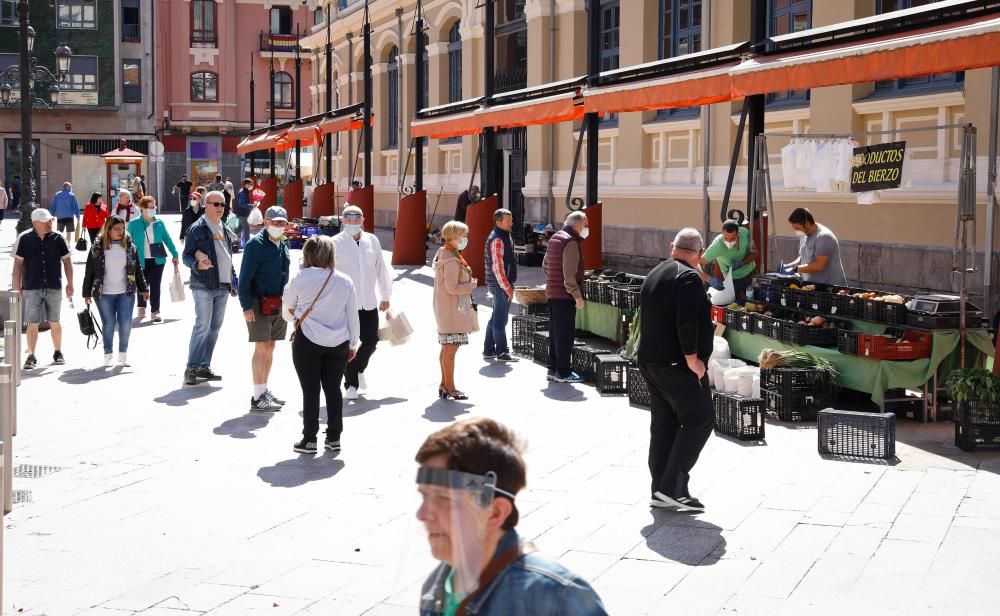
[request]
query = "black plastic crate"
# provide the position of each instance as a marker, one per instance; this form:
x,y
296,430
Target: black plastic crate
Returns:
x,y
529,259
535,310
761,324
794,407
885,312
977,424
523,328
540,347
638,389
738,320
815,301
854,434
739,417
796,380
795,333
847,342
625,296
582,360
610,373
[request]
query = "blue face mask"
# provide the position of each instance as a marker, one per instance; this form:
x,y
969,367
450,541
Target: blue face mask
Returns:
x,y
462,243
351,230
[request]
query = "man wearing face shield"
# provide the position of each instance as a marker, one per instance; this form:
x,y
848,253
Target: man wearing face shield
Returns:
x,y
469,476
732,251
819,251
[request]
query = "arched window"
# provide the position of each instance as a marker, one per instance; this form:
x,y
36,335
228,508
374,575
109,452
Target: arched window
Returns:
x,y
283,91
204,87
454,63
392,101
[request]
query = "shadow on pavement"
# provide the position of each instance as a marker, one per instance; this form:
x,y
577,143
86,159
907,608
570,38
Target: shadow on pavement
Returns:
x,y
414,275
244,426
180,397
353,408
495,370
683,538
147,323
300,470
443,411
81,376
563,392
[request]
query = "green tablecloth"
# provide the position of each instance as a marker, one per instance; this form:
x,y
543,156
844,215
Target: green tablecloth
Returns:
x,y
601,320
873,376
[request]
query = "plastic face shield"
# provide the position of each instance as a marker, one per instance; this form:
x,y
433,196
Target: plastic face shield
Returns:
x,y
455,508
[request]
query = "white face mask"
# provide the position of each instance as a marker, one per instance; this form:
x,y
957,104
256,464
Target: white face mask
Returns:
x,y
149,212
462,243
193,203
352,230
730,244
800,233
275,232
585,233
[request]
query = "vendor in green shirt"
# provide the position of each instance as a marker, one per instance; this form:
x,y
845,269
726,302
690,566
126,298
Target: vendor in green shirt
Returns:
x,y
732,250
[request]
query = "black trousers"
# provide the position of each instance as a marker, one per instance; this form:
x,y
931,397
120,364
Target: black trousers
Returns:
x,y
93,233
154,277
562,330
369,339
681,420
318,367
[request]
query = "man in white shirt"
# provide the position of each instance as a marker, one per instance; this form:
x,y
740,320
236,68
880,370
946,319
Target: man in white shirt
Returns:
x,y
359,255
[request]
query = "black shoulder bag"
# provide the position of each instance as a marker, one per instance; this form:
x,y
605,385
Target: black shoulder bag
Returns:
x,y
89,327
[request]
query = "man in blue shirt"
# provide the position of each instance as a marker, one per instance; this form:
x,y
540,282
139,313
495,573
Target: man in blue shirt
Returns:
x,y
66,210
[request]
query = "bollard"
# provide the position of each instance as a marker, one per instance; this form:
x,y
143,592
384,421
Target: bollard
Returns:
x,y
3,490
10,336
16,315
8,393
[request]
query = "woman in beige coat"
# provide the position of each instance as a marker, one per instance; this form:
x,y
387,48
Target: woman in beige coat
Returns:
x,y
453,308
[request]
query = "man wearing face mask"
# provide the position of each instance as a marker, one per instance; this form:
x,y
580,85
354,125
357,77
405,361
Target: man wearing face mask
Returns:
x,y
192,212
819,251
732,251
359,255
262,280
563,267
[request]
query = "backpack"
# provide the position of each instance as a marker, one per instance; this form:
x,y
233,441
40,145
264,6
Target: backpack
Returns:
x,y
89,327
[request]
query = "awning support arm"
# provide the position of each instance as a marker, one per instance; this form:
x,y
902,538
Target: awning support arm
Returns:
x,y
575,203
736,215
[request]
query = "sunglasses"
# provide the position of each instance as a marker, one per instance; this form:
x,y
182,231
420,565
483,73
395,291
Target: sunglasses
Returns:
x,y
219,203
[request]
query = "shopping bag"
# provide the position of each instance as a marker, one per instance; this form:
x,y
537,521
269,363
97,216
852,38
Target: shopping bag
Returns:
x,y
399,328
233,222
81,244
728,293
177,288
255,218
384,332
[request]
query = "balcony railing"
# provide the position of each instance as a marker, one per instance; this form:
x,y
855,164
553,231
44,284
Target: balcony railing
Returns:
x,y
278,42
131,33
515,78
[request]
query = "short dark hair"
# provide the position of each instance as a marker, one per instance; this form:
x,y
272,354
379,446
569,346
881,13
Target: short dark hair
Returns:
x,y
356,184
730,226
480,445
499,214
801,215
245,180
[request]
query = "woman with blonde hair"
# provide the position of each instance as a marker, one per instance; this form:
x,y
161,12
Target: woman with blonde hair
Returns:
x,y
152,249
321,304
453,308
112,277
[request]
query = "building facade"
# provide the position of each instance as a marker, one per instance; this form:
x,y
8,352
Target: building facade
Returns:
x,y
659,171
208,51
107,96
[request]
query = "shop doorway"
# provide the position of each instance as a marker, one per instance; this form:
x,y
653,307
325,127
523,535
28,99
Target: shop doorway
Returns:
x,y
513,165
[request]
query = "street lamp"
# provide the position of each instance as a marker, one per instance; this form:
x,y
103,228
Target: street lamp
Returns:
x,y
25,75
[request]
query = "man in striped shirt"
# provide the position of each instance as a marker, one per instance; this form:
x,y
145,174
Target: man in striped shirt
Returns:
x,y
501,274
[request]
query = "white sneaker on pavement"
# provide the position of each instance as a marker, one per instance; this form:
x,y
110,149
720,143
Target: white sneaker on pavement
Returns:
x,y
123,360
362,383
351,393
109,360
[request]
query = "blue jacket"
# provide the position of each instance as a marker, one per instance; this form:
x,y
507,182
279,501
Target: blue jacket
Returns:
x,y
530,586
244,203
264,270
64,205
138,228
199,237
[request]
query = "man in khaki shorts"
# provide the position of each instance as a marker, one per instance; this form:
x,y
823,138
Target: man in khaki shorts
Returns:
x,y
263,276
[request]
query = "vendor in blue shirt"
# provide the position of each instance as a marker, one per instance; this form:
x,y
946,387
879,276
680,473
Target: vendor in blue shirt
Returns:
x,y
734,251
66,210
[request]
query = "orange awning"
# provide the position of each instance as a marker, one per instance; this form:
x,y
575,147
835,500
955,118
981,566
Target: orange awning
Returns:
x,y
548,110
336,125
306,133
942,49
702,87
254,143
443,127
280,141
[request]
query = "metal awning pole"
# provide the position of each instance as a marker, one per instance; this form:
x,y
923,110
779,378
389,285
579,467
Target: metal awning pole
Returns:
x,y
991,195
367,29
593,79
420,95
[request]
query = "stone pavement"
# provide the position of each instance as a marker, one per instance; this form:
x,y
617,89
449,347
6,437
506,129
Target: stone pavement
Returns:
x,y
175,501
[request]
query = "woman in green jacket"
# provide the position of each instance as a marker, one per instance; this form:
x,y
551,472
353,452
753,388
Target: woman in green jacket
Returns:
x,y
152,243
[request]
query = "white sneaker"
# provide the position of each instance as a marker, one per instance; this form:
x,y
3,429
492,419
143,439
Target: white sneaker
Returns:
x,y
351,394
123,360
109,360
362,383
142,313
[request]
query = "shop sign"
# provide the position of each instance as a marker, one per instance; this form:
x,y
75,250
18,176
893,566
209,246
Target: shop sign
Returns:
x,y
877,167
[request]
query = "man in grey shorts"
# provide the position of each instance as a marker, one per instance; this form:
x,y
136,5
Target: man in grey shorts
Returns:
x,y
263,276
40,257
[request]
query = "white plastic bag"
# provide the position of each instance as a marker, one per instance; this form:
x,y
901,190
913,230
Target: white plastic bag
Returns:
x,y
727,295
177,287
397,328
255,218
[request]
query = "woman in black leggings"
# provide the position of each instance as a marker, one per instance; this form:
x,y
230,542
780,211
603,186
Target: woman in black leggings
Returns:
x,y
321,303
94,215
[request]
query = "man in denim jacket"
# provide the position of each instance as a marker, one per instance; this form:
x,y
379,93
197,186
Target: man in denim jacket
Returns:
x,y
208,249
469,476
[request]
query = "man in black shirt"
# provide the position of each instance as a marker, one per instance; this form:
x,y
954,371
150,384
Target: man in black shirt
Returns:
x,y
181,190
675,343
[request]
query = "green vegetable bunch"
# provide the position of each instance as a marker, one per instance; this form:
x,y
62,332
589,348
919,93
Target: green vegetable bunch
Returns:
x,y
973,384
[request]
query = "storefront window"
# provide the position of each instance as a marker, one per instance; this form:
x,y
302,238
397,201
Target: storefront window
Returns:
x,y
786,17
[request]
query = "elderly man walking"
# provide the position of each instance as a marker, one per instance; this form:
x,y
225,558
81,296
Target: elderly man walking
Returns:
x,y
207,251
676,342
263,276
66,210
563,266
359,255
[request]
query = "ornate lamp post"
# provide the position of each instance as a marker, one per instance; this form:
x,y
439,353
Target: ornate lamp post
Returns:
x,y
26,74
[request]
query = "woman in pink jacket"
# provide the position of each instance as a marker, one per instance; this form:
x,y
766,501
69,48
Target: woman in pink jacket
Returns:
x,y
453,308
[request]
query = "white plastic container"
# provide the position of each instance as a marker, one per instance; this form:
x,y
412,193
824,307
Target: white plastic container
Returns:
x,y
732,380
745,385
756,386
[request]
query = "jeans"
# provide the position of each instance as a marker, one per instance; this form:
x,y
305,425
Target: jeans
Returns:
x,y
562,330
154,277
320,366
209,311
116,311
369,339
496,328
244,230
681,420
